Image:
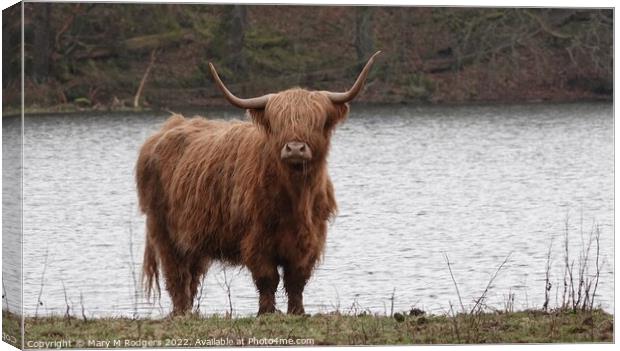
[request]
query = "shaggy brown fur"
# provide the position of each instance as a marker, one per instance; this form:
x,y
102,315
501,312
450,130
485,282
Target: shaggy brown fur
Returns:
x,y
218,190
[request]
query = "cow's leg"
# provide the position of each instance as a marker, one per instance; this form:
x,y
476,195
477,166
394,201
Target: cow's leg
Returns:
x,y
198,270
266,278
174,269
295,279
178,280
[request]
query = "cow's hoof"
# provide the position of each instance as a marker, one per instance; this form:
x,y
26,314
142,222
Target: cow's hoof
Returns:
x,y
270,311
178,314
297,311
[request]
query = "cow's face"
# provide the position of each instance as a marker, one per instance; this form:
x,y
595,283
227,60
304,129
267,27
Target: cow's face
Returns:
x,y
299,124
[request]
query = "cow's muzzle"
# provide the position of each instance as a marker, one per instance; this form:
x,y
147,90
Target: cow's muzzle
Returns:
x,y
296,153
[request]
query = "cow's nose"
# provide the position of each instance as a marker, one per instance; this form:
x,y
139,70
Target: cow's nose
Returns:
x,y
296,151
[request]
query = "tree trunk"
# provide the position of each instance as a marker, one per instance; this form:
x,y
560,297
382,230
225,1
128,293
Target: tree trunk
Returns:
x,y
364,43
236,38
42,40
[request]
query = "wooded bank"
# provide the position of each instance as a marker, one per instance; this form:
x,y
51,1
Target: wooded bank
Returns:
x,y
126,55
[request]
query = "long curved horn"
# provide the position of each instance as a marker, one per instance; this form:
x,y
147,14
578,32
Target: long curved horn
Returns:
x,y
252,103
341,98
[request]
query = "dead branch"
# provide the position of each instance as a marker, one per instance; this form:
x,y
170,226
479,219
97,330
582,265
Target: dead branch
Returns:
x,y
68,310
5,297
136,99
484,293
546,28
456,286
82,305
39,302
547,283
598,269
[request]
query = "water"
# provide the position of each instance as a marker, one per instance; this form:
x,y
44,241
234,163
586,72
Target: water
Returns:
x,y
413,184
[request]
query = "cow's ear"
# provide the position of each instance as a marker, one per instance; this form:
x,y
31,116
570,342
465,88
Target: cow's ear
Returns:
x,y
258,117
338,114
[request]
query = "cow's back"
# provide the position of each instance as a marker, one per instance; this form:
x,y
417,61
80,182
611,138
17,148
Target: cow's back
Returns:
x,y
149,168
200,167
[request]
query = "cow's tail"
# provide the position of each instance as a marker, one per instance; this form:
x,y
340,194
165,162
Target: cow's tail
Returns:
x,y
150,270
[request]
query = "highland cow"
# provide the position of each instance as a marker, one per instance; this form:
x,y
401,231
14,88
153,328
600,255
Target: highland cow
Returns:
x,y
252,193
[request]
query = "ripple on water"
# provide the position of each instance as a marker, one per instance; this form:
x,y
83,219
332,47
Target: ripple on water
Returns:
x,y
412,184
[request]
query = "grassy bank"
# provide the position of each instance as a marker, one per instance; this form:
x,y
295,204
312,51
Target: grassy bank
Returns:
x,y
67,108
326,329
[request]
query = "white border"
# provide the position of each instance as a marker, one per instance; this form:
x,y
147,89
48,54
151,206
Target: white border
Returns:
x,y
469,3
479,3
